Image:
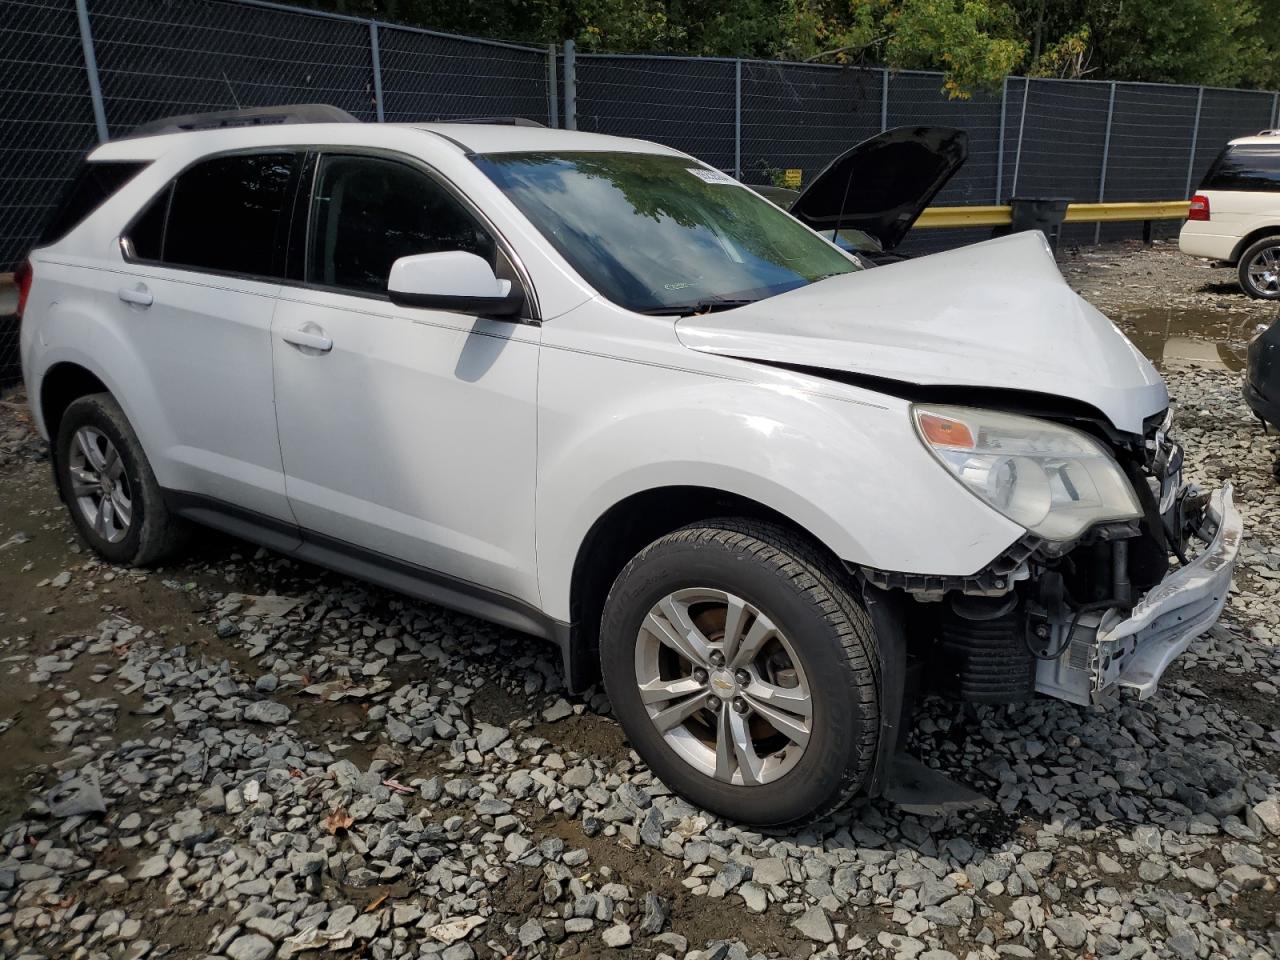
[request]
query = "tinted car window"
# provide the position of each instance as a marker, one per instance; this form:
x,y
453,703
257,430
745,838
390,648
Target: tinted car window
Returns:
x,y
1245,167
369,212
146,233
91,186
230,213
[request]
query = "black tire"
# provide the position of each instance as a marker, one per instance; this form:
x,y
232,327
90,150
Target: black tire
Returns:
x,y
1272,291
153,532
812,601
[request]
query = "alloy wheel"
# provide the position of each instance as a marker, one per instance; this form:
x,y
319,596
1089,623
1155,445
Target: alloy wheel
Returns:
x,y
1264,270
723,686
99,484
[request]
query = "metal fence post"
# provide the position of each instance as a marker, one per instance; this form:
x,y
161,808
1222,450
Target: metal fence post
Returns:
x,y
91,69
553,87
1275,110
570,88
376,56
1004,101
737,119
1195,137
1106,155
884,101
1022,123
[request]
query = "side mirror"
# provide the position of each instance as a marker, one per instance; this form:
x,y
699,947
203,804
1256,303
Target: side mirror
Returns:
x,y
452,280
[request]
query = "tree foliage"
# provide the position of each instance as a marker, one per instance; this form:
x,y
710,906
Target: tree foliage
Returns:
x,y
974,42
1229,43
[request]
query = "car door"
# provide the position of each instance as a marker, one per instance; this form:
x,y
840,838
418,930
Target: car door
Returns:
x,y
205,258
407,433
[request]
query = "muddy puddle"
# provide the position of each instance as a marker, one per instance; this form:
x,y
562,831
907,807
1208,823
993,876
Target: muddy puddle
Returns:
x,y
1179,337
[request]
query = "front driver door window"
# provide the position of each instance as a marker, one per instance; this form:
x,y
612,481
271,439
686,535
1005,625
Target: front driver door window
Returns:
x,y
413,433
368,212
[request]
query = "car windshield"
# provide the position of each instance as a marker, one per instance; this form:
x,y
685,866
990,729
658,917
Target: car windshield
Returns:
x,y
661,234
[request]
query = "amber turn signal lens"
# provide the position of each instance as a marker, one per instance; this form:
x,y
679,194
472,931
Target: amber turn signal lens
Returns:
x,y
945,432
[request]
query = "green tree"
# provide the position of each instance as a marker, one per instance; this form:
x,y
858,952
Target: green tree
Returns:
x,y
974,42
1218,42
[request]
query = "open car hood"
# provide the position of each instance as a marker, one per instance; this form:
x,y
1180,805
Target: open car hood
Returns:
x,y
992,315
882,185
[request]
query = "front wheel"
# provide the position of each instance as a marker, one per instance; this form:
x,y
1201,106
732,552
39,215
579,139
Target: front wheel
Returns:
x,y
1259,269
742,669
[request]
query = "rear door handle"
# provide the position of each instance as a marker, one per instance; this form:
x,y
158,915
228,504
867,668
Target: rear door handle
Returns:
x,y
313,339
138,295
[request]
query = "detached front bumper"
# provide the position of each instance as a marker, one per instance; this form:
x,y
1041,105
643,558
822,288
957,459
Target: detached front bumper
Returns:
x,y
1111,651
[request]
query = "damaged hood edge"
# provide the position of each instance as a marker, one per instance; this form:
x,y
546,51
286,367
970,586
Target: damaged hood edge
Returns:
x,y
996,315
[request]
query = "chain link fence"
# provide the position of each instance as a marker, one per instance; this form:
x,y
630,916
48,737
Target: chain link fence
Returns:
x,y
79,71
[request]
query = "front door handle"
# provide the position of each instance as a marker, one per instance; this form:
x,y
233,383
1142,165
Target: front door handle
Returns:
x,y
138,295
313,339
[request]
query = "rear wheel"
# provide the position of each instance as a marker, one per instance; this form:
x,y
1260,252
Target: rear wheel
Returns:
x,y
1259,269
108,486
741,667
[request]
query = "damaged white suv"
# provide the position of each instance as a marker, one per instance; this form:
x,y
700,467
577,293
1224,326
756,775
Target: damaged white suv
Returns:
x,y
597,391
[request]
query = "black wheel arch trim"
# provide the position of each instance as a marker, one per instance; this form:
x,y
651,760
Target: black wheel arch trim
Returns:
x,y
888,619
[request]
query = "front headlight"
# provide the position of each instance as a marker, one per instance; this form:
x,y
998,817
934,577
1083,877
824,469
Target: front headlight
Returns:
x,y
1051,479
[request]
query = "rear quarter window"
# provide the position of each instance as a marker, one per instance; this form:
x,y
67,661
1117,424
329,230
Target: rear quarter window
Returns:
x,y
92,184
1250,168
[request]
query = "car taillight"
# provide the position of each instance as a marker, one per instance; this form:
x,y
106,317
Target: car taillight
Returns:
x,y
1199,208
23,277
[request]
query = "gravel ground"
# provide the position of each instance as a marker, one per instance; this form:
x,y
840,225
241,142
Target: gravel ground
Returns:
x,y
246,757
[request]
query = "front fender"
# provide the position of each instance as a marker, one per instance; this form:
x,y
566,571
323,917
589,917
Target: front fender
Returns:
x,y
853,474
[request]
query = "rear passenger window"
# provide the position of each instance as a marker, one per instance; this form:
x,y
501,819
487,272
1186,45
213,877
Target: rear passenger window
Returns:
x,y
229,214
369,212
1250,168
91,186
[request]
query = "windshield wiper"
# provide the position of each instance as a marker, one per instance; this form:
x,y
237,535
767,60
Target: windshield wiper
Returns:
x,y
698,306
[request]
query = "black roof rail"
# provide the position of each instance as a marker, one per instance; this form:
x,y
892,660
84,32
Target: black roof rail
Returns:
x,y
504,121
251,117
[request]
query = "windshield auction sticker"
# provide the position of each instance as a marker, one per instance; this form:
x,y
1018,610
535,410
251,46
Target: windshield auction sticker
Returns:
x,y
711,176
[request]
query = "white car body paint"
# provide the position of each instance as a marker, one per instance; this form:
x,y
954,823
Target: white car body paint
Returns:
x,y
954,318
415,436
824,454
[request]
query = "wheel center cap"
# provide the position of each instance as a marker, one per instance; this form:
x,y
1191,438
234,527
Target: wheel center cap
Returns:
x,y
723,683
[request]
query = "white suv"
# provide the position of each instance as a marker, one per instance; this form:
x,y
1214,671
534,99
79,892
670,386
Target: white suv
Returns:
x,y
1235,214
597,391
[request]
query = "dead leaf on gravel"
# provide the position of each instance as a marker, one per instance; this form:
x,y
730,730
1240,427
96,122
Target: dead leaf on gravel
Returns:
x,y
397,787
452,931
338,820
376,903
270,606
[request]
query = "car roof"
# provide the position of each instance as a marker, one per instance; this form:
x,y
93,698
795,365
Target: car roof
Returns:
x,y
1269,139
507,138
469,137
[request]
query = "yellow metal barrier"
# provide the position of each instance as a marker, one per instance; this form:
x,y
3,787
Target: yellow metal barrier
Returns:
x,y
1111,212
965,217
1001,216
